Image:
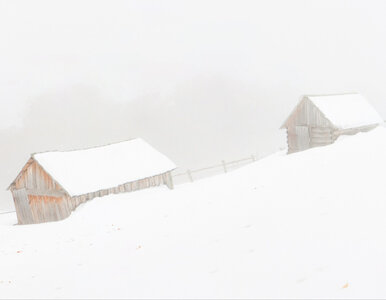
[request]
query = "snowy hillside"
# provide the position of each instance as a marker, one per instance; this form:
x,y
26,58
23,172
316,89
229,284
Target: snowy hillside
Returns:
x,y
310,225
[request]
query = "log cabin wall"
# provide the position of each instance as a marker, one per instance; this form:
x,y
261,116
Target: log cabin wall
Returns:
x,y
308,128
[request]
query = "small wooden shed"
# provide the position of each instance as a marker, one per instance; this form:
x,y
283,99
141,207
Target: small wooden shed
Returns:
x,y
320,120
52,184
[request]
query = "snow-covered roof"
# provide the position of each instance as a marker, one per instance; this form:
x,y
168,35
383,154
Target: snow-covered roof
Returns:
x,y
347,110
89,170
344,110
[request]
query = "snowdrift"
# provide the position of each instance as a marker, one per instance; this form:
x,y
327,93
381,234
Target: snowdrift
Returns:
x,y
307,225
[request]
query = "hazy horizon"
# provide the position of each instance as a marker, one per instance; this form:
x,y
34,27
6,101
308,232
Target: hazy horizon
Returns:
x,y
201,81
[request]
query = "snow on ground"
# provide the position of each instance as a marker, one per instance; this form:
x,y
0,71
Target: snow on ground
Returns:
x,y
306,225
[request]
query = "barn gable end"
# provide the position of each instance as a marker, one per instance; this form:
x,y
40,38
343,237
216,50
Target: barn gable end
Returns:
x,y
306,114
307,127
34,177
38,197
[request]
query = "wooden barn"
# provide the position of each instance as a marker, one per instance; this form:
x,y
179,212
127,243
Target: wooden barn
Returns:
x,y
320,120
52,184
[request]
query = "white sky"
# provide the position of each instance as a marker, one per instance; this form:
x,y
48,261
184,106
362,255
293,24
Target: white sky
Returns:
x,y
130,48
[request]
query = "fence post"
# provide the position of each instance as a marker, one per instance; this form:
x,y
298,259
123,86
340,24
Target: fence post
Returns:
x,y
189,175
253,158
224,165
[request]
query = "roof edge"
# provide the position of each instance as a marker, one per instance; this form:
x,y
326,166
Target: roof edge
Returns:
x,y
52,177
284,125
91,147
332,94
78,195
29,161
25,167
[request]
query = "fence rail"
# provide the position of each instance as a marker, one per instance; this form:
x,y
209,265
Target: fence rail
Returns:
x,y
224,165
7,212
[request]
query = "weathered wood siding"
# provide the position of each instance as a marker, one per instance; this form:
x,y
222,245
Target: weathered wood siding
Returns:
x,y
34,177
153,181
307,128
23,210
352,131
39,198
321,136
307,114
33,208
49,208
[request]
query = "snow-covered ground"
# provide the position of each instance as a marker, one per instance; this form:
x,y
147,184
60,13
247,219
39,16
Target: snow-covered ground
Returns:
x,y
306,225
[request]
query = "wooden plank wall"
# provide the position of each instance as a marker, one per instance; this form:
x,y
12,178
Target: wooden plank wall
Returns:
x,y
307,114
36,207
49,208
34,177
302,137
43,197
23,211
156,180
352,131
319,128
321,136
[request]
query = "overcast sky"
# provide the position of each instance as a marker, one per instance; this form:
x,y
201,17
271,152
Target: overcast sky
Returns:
x,y
201,80
131,48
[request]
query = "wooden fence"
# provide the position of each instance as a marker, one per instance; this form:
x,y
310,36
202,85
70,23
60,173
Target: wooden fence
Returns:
x,y
222,167
7,212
